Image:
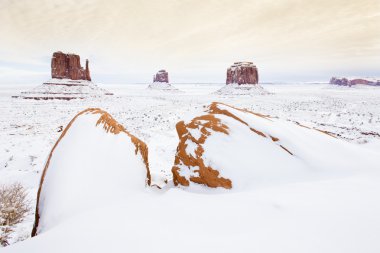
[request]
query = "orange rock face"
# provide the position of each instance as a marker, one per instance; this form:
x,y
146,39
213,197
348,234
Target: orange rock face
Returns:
x,y
68,66
206,174
162,76
242,73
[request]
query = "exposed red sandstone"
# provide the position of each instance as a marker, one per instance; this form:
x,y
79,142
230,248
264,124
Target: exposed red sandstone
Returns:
x,y
162,76
68,66
242,73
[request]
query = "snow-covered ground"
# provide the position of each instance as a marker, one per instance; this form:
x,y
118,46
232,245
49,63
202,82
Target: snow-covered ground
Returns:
x,y
337,214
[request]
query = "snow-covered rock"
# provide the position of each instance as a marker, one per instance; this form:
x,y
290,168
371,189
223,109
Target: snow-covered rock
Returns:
x,y
94,163
162,86
238,149
64,89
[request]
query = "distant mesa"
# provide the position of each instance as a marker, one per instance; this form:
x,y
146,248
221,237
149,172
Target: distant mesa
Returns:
x,y
242,73
161,76
69,81
161,81
242,79
349,81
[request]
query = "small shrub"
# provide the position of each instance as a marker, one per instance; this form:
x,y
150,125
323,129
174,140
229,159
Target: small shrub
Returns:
x,y
14,206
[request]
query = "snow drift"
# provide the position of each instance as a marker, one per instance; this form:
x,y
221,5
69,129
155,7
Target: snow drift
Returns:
x,y
162,86
94,162
238,149
235,89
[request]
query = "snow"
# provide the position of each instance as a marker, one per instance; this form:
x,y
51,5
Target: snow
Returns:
x,y
235,89
64,89
89,167
162,86
320,210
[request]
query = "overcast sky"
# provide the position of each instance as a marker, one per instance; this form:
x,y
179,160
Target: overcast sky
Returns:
x,y
128,41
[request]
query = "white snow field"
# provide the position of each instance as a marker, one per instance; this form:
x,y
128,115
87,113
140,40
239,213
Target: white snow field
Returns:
x,y
328,208
162,86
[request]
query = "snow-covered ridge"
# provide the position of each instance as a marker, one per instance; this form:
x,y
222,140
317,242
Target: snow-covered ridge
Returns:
x,y
95,159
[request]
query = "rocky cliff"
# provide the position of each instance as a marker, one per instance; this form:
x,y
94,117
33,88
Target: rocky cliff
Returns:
x,y
242,73
68,66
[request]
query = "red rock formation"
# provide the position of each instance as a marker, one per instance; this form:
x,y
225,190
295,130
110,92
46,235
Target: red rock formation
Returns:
x,y
68,66
162,77
242,73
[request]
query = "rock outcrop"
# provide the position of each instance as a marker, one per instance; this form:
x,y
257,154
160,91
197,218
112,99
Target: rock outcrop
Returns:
x,y
349,81
242,73
233,148
95,160
161,76
68,66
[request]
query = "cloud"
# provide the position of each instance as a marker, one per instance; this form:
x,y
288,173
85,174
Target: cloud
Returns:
x,y
132,39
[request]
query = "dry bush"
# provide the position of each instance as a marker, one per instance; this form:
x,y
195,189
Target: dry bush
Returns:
x,y
5,235
14,206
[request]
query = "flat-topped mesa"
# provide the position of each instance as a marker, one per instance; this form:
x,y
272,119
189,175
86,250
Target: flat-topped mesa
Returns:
x,y
242,73
68,66
162,76
348,81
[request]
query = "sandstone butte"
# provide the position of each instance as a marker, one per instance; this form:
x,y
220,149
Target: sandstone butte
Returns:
x,y
68,66
242,73
161,76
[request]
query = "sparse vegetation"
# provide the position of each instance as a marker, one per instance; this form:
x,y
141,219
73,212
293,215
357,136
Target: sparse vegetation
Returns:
x,y
14,206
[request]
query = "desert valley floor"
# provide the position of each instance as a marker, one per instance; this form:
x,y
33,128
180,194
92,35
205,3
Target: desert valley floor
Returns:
x,y
333,214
